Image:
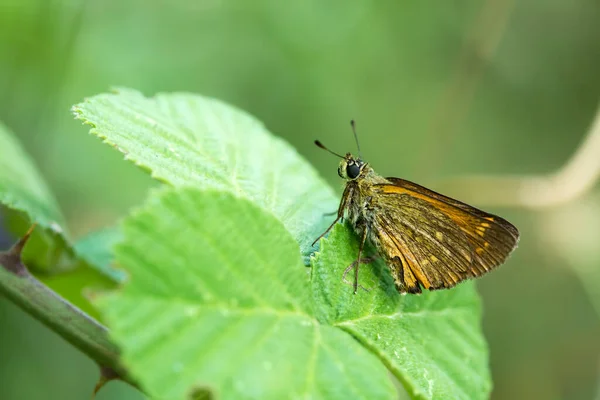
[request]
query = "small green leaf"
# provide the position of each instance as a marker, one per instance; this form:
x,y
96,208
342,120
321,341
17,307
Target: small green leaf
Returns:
x,y
96,249
219,298
70,285
48,254
22,187
432,343
27,200
189,140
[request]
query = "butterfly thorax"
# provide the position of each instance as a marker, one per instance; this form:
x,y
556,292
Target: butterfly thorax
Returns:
x,y
358,194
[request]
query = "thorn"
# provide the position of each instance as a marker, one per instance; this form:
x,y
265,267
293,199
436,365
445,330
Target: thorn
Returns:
x,y
17,249
107,374
11,259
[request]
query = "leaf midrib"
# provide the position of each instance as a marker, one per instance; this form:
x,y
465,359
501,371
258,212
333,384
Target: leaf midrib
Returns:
x,y
447,312
223,308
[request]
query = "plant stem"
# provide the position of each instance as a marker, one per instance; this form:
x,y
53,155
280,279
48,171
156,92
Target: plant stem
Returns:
x,y
62,317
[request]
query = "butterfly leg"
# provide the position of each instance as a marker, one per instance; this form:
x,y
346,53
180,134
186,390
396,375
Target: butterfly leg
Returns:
x,y
340,212
366,260
360,249
328,229
356,264
329,214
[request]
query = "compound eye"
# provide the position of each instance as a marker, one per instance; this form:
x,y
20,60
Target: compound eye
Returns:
x,y
352,170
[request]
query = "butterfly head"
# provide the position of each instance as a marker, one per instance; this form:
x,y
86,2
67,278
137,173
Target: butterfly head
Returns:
x,y
351,167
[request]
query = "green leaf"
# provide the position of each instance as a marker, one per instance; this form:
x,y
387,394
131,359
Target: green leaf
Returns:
x,y
27,200
96,249
22,187
219,297
76,285
432,343
190,140
48,254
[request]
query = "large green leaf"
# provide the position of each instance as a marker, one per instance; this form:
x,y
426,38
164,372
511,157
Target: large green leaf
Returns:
x,y
189,140
219,298
432,342
21,186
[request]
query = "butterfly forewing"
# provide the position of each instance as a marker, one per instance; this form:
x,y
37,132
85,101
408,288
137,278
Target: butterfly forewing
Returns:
x,y
427,243
435,240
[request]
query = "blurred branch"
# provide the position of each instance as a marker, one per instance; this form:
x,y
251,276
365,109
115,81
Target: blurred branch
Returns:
x,y
71,323
476,53
575,178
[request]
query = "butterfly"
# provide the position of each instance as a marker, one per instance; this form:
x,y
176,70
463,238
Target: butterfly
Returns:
x,y
428,240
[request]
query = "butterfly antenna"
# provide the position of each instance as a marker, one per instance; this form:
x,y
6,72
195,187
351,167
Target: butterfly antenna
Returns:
x,y
353,124
321,145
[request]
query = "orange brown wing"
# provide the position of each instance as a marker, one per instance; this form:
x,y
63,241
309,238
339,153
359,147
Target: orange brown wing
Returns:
x,y
433,241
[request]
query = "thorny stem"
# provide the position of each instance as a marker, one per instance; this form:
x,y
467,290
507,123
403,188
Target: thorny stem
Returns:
x,y
62,317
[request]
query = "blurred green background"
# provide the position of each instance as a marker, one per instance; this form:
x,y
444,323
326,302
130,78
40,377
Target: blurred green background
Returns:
x,y
438,88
